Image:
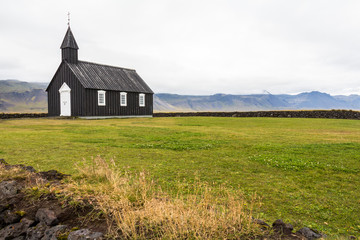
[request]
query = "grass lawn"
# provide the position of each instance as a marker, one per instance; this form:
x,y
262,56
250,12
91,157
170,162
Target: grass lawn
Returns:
x,y
307,171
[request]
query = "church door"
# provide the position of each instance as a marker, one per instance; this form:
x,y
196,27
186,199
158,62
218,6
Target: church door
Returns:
x,y
65,100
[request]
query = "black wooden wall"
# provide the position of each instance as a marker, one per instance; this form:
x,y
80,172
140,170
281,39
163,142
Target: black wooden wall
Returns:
x,y
62,75
113,108
70,55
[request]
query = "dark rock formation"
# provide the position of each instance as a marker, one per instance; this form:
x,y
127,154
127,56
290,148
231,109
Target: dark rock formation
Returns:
x,y
84,234
22,166
283,228
309,233
46,216
262,223
52,175
36,232
9,217
8,189
16,230
3,207
53,232
42,222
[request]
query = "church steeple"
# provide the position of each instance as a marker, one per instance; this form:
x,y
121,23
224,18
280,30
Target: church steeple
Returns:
x,y
69,48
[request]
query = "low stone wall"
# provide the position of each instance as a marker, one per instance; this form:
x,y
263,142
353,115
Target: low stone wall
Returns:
x,y
22,115
335,114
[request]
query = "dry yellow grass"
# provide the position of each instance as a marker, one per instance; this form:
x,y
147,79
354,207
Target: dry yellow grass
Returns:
x,y
136,208
13,173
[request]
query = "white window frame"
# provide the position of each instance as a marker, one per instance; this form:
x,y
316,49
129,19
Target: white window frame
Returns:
x,y
100,92
123,104
142,103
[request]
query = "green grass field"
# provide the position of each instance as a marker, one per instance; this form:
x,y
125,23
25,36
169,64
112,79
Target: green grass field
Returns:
x,y
307,171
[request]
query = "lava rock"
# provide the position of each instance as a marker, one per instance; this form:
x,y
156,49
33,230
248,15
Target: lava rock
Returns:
x,y
52,233
26,168
19,238
3,162
280,227
46,216
21,166
84,234
3,207
16,230
52,175
309,233
36,232
262,223
22,115
8,189
8,217
341,114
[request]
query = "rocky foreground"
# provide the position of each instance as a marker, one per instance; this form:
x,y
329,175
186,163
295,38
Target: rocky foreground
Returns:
x,y
28,213
33,215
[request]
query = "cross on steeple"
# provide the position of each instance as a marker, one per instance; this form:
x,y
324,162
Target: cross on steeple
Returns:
x,y
69,48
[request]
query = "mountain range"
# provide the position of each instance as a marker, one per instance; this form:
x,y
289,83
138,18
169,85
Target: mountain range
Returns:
x,y
18,96
255,102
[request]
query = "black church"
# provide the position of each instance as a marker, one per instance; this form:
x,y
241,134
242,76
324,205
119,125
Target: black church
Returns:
x,y
93,90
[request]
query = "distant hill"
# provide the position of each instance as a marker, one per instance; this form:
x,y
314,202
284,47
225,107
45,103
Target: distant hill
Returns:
x,y
17,96
257,102
315,100
221,102
7,86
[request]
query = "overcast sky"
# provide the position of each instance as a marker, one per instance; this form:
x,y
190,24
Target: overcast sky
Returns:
x,y
192,46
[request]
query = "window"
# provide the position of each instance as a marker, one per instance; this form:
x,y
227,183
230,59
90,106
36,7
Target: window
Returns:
x,y
142,100
123,99
101,98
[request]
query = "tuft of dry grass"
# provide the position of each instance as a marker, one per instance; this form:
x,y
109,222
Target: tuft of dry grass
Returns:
x,y
137,208
7,173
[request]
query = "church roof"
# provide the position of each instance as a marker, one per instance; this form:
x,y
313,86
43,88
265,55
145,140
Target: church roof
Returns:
x,y
104,77
69,40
